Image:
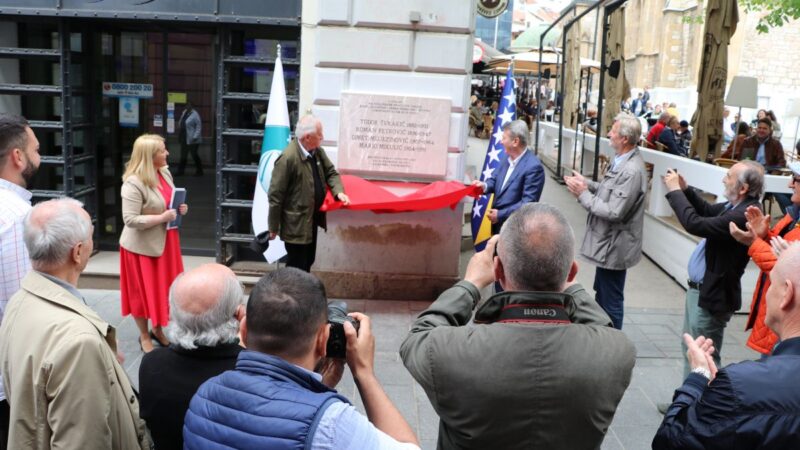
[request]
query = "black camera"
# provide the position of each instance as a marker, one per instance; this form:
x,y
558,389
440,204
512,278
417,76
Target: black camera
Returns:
x,y
337,316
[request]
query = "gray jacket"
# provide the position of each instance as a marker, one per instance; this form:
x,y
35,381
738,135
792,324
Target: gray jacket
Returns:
x,y
613,238
519,385
194,127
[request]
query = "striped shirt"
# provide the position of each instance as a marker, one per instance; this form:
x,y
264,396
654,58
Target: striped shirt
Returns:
x,y
15,202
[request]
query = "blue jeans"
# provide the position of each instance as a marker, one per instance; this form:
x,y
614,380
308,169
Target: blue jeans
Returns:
x,y
608,287
698,321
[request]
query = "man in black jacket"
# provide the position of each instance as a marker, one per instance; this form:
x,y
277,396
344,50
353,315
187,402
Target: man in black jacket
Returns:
x,y
207,305
669,137
717,264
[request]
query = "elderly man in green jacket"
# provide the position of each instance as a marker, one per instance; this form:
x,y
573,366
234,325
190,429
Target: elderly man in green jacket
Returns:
x,y
300,178
539,366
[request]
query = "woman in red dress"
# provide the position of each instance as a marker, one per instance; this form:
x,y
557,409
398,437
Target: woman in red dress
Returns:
x,y
150,255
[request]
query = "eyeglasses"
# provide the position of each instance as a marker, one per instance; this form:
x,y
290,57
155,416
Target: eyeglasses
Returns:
x,y
796,180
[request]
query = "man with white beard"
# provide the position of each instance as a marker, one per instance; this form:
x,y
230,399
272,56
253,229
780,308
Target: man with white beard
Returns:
x,y
717,263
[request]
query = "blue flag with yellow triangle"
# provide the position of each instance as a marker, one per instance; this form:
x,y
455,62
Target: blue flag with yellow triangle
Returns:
x,y
506,112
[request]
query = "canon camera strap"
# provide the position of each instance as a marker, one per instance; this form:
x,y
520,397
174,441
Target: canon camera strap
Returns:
x,y
534,313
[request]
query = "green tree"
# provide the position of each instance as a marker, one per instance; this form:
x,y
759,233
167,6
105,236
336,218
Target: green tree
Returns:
x,y
779,12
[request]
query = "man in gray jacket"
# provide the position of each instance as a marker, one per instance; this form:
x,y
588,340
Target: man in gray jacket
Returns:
x,y
539,366
613,240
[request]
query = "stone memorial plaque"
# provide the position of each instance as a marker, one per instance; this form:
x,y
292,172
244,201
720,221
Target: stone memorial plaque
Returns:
x,y
393,137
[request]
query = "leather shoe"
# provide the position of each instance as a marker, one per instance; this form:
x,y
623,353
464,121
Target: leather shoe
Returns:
x,y
155,338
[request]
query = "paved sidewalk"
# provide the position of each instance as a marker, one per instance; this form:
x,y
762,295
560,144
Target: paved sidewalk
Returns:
x,y
653,321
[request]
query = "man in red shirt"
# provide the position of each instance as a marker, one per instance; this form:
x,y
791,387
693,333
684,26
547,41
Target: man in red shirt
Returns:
x,y
655,132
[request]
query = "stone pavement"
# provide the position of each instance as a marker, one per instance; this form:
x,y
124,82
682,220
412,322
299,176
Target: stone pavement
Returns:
x,y
653,321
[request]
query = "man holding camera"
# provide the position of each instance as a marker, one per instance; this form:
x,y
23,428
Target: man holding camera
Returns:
x,y
539,366
716,265
281,393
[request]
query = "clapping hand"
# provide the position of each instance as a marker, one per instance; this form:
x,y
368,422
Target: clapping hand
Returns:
x,y
576,183
699,353
779,244
757,221
742,236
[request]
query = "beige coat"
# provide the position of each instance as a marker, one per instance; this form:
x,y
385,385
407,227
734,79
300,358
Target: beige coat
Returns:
x,y
62,379
139,200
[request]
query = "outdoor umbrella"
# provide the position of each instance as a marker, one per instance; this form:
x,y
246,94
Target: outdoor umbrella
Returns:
x,y
721,19
616,87
572,76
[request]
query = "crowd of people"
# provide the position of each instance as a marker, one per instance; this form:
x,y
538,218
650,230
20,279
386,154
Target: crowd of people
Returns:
x,y
538,364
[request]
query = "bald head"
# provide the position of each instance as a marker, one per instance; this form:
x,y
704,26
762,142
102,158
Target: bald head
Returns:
x,y
204,303
536,248
783,295
200,289
52,229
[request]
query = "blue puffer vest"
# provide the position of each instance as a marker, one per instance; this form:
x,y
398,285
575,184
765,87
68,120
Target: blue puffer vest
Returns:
x,y
264,403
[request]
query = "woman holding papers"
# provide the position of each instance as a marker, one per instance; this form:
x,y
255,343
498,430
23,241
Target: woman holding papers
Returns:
x,y
150,254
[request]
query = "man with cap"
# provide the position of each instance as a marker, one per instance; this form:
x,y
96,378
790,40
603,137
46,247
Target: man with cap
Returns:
x,y
684,136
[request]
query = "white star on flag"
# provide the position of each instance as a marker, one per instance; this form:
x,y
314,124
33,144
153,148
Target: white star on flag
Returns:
x,y
476,211
506,116
498,135
510,97
494,155
488,173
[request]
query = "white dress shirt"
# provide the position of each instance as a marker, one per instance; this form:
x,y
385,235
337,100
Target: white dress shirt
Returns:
x,y
15,202
512,163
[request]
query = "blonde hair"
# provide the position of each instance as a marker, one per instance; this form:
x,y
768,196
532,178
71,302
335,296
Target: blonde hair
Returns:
x,y
141,162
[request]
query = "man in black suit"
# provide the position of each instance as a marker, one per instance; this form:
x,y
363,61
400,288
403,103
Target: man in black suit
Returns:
x,y
207,305
717,264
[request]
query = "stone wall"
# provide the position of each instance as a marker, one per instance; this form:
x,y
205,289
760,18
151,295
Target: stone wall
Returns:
x,y
415,48
772,57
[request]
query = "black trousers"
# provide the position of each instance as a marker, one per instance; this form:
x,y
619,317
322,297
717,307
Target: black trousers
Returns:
x,y
4,418
302,256
185,150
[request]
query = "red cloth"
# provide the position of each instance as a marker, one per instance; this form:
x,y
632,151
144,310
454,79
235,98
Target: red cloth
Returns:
x,y
144,281
369,195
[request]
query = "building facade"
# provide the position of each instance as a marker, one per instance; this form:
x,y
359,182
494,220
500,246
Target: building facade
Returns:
x,y
496,31
93,76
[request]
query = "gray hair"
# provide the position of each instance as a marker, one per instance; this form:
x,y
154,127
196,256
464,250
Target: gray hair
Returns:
x,y
629,127
306,125
753,175
537,248
518,129
217,325
50,235
664,117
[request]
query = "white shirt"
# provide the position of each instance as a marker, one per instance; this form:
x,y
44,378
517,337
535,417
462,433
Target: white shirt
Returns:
x,y
342,427
512,163
15,202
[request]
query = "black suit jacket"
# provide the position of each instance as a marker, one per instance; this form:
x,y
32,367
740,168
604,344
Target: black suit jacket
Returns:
x,y
721,292
168,378
667,137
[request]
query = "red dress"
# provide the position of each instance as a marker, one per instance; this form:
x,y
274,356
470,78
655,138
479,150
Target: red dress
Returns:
x,y
145,280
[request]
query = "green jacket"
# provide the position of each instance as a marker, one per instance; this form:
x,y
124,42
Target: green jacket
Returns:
x,y
291,194
517,385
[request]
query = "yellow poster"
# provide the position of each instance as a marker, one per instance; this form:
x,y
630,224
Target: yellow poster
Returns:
x,y
176,97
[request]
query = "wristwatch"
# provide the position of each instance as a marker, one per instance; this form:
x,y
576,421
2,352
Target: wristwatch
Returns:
x,y
702,371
